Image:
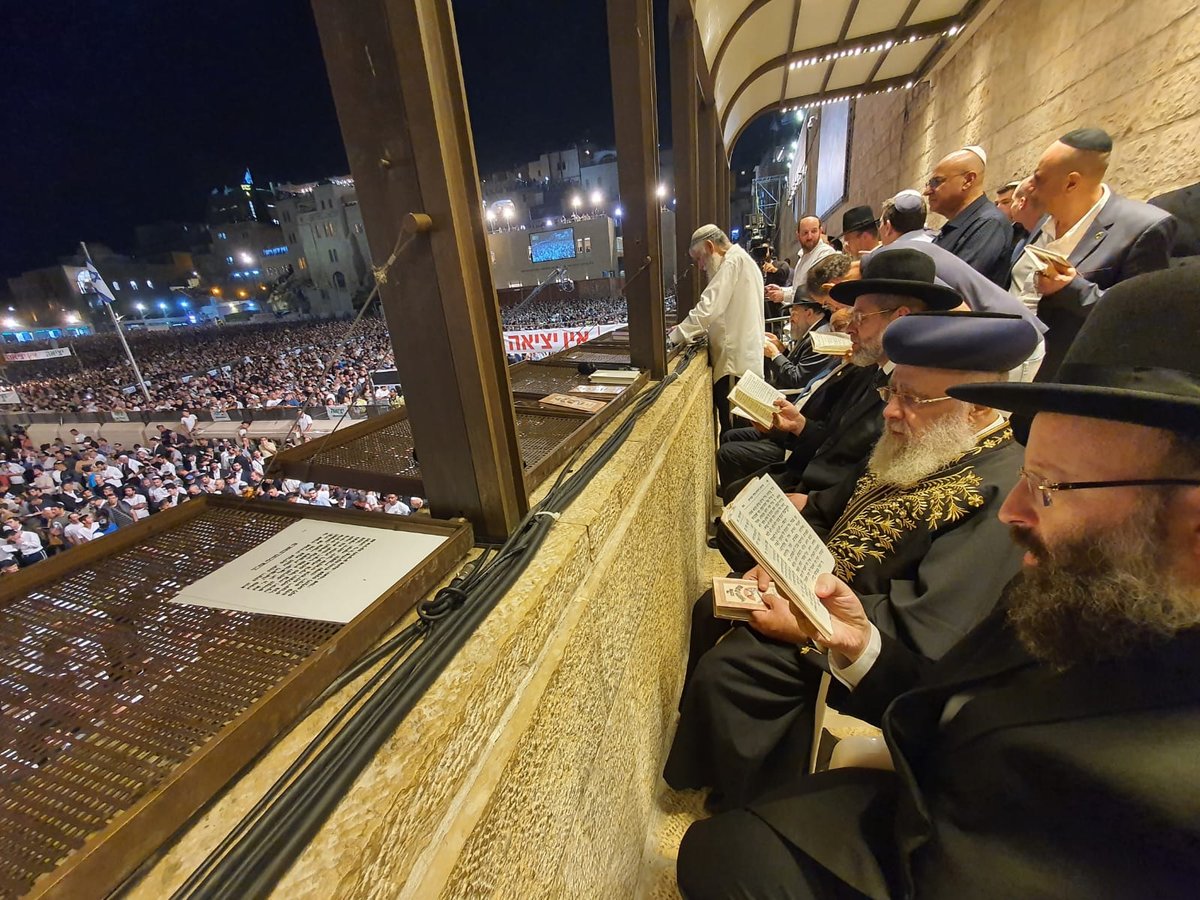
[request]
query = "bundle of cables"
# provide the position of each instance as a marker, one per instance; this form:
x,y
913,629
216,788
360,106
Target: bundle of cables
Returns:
x,y
260,849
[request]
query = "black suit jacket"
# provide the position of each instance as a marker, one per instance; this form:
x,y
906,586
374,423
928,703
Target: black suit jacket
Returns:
x,y
843,425
1127,239
800,365
1081,783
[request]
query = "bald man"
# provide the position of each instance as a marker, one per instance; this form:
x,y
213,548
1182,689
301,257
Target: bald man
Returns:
x,y
812,250
975,231
1105,237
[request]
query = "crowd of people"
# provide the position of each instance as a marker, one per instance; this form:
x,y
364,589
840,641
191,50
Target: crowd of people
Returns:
x,y
72,491
1004,470
551,309
212,367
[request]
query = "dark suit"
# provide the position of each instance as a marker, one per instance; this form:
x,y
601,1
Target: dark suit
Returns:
x,y
1127,239
981,236
1080,783
843,421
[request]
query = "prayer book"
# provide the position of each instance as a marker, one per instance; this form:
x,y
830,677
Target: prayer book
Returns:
x,y
754,399
783,543
1045,259
598,391
736,598
832,343
614,376
579,404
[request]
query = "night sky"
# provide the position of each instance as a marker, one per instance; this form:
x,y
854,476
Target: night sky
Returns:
x,y
119,114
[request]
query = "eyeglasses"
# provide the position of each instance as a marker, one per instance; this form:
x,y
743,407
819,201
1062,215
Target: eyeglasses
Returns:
x,y
938,180
887,394
857,317
1038,485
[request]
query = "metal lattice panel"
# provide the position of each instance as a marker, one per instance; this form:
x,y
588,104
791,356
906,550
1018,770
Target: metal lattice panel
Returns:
x,y
538,435
105,688
543,380
597,357
388,450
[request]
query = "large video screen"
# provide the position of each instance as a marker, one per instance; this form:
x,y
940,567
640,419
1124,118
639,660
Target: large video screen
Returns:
x,y
548,246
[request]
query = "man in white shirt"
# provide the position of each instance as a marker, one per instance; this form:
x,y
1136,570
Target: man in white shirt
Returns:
x,y
812,251
28,544
394,506
188,423
304,425
81,530
730,312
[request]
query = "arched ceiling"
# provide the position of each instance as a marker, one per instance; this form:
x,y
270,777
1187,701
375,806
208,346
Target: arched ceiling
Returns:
x,y
777,54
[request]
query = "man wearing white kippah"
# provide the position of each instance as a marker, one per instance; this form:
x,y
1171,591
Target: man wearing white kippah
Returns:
x,y
730,312
975,231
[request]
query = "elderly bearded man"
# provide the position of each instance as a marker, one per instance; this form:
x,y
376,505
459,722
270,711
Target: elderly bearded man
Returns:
x,y
730,312
1052,753
916,535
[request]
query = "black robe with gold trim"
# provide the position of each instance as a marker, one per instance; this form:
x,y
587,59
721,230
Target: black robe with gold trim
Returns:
x,y
929,562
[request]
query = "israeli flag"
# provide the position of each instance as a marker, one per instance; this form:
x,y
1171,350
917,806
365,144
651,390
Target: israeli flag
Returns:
x,y
98,283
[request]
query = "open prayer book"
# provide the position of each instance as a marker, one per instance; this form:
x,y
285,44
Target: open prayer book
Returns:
x,y
832,343
783,543
1044,259
754,399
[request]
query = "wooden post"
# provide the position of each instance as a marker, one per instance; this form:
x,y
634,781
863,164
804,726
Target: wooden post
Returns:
x,y
397,84
706,172
635,117
684,99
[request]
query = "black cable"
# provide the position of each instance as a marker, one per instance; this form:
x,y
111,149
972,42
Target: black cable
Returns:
x,y
252,858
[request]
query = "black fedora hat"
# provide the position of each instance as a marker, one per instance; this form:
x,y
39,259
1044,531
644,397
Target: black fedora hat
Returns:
x,y
1134,360
901,272
858,218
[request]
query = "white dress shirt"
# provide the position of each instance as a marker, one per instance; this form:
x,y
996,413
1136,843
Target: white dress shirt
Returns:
x,y
730,312
1024,272
807,260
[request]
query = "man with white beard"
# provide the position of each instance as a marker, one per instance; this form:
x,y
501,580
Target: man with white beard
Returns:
x,y
729,312
915,534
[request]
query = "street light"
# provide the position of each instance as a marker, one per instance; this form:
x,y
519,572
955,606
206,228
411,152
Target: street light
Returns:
x,y
549,222
618,212
10,322
661,193
247,258
491,217
597,198
507,213
576,202
72,318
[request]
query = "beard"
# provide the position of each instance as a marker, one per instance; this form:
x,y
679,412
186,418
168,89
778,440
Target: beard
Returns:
x,y
1103,595
712,262
867,353
906,459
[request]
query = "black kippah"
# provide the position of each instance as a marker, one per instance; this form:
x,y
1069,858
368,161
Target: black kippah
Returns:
x,y
1096,140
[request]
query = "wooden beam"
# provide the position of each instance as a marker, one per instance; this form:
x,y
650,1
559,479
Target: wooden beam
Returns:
x,y
397,84
685,95
708,139
635,117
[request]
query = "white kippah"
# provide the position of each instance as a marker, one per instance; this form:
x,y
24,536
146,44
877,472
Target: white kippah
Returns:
x,y
908,201
708,233
978,151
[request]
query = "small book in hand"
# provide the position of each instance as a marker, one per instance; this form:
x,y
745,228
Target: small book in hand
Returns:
x,y
784,544
754,399
833,343
1045,259
737,598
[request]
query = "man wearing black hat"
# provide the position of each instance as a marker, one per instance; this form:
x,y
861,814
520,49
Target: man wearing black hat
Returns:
x,y
794,365
1052,753
860,231
1106,238
915,534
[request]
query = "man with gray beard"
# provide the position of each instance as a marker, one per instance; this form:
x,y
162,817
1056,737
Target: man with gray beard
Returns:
x,y
1053,752
915,534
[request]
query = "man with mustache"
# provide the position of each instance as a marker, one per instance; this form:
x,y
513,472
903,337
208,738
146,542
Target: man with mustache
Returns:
x,y
1052,753
914,532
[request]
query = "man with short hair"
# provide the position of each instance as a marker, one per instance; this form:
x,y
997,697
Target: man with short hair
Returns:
x,y
860,231
1107,238
975,231
812,250
730,312
1065,725
1004,197
915,534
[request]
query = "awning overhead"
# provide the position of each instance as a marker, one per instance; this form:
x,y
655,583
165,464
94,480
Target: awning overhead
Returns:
x,y
777,54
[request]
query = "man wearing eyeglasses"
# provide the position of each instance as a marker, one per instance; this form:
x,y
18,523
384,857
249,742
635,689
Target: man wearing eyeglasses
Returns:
x,y
1051,753
975,231
915,534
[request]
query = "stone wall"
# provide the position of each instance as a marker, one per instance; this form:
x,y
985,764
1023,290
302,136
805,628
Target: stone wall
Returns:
x,y
1031,71
530,767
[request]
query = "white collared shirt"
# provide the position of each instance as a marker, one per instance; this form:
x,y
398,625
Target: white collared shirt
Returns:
x,y
1024,272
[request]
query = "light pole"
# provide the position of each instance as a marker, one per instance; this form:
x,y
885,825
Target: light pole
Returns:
x,y
576,203
141,308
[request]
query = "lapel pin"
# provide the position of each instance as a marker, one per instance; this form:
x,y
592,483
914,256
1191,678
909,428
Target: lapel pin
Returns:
x,y
1099,235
